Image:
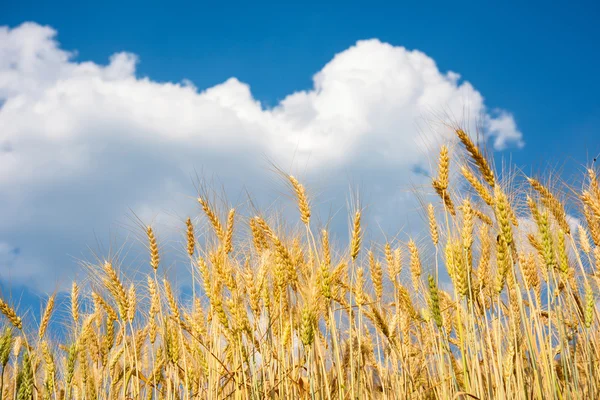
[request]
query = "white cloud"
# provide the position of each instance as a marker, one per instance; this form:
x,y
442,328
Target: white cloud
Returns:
x,y
504,130
82,143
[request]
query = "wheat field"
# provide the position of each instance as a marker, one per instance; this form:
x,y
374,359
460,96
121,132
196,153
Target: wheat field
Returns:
x,y
497,299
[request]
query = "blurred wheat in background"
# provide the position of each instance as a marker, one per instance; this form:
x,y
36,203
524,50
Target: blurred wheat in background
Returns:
x,y
498,302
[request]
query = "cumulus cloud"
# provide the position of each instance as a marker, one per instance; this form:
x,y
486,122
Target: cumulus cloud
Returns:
x,y
503,129
82,143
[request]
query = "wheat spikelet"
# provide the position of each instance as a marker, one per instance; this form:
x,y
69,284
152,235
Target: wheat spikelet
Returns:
x,y
433,228
415,264
508,362
442,180
116,358
46,316
300,264
555,206
258,237
593,224
17,347
199,319
154,309
217,304
481,190
171,300
131,303
25,390
482,217
468,223
239,317
324,274
479,214
264,227
503,215
50,368
563,261
440,184
450,258
307,327
405,302
584,241
478,158
205,276
594,186
222,268
530,272
483,268
86,330
379,321
303,204
445,196
533,209
252,286
10,314
228,242
337,273
592,203
503,263
526,269
285,263
286,334
213,219
190,236
326,247
535,243
434,302
397,262
547,243
459,265
394,262
75,302
356,236
116,289
358,289
467,242
154,256
376,275
110,312
6,342
590,305
389,260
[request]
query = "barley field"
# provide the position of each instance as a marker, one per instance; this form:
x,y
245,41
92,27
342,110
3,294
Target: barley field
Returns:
x,y
495,299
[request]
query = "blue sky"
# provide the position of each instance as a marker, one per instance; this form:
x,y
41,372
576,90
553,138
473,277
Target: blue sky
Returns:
x,y
85,131
537,59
